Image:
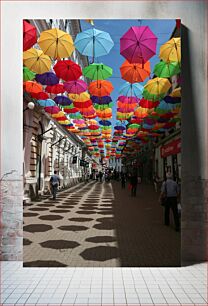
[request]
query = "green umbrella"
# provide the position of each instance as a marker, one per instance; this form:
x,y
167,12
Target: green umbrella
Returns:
x,y
152,97
97,71
28,75
166,70
103,106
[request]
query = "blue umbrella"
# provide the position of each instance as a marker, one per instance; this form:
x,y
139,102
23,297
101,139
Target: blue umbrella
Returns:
x,y
105,122
45,103
101,100
47,78
165,107
129,90
93,43
62,100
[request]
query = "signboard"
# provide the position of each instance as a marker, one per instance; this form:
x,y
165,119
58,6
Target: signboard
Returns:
x,y
171,148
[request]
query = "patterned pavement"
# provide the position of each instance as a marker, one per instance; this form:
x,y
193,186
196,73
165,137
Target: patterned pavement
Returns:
x,y
99,225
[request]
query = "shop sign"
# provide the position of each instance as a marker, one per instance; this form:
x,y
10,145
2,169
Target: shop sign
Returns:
x,y
171,148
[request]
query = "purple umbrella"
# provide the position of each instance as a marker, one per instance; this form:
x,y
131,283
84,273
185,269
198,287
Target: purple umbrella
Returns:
x,y
119,127
105,122
138,44
47,78
62,100
149,121
101,100
172,100
128,100
75,87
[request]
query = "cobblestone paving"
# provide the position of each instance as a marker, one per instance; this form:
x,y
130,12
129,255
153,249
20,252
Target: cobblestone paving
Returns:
x,y
99,225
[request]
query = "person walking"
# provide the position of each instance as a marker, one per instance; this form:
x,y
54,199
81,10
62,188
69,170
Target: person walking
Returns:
x,y
123,180
170,190
133,181
54,182
101,176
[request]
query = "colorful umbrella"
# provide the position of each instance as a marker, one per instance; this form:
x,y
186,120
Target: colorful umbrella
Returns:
x,y
138,44
171,50
101,100
105,122
62,100
47,78
55,89
67,70
148,104
36,60
83,104
141,112
134,73
84,96
97,71
100,88
75,87
32,87
128,89
166,70
128,100
93,43
45,103
39,95
56,43
29,35
176,93
71,110
172,100
52,109
156,88
27,74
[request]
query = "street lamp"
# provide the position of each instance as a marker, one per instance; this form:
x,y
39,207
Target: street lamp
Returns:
x,y
30,105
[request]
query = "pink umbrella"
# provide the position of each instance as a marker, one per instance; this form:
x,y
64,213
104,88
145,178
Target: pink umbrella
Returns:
x,y
52,109
75,87
129,100
138,44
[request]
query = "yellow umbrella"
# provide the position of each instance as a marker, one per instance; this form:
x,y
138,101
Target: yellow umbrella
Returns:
x,y
157,86
56,43
36,60
176,93
84,96
171,50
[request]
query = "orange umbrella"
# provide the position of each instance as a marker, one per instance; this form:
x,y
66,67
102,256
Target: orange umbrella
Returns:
x,y
32,87
100,88
141,112
134,73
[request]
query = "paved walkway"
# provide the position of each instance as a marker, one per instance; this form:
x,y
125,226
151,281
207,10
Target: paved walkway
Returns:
x,y
99,225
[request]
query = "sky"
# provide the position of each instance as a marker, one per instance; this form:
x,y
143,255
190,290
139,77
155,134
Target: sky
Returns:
x,y
162,28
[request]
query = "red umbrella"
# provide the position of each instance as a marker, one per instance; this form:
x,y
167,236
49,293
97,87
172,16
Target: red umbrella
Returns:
x,y
52,109
29,35
148,104
55,89
40,95
138,44
84,104
67,70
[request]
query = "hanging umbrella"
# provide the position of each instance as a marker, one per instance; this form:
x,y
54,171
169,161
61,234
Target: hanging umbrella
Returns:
x,y
32,87
166,70
52,109
134,73
172,100
76,115
29,35
70,109
27,74
36,60
164,107
56,43
75,87
141,112
176,93
62,100
101,100
67,70
47,78
55,89
84,96
119,127
45,103
148,104
128,89
97,71
156,89
93,43
138,44
105,122
128,100
100,88
171,50
83,104
39,95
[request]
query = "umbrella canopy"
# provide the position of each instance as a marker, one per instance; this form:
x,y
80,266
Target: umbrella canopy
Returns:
x,y
156,88
101,100
172,100
141,112
62,100
67,70
128,89
39,95
164,107
134,73
45,103
52,109
56,43
105,122
29,35
93,42
100,88
32,87
70,109
138,44
55,89
171,50
83,104
166,70
176,93
148,104
97,71
36,60
47,78
84,96
128,100
28,75
75,87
